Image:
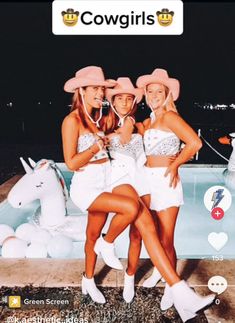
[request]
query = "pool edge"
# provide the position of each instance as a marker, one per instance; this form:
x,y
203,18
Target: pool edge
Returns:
x,y
55,273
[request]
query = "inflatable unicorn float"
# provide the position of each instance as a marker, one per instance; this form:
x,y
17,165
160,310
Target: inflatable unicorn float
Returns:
x,y
52,229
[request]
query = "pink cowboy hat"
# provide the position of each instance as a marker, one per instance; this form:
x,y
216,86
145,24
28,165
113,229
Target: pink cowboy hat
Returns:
x,y
88,76
124,86
160,76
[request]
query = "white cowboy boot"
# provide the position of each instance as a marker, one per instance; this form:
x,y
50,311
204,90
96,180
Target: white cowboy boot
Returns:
x,y
187,302
129,288
107,252
166,301
153,279
89,286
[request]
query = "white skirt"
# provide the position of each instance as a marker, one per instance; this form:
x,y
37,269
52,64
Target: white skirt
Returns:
x,y
89,183
162,195
123,172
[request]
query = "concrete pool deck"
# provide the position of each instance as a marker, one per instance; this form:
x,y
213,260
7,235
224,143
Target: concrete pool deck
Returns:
x,y
55,273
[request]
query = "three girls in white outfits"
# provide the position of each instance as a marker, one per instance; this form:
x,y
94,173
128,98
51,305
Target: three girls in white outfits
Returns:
x,y
82,141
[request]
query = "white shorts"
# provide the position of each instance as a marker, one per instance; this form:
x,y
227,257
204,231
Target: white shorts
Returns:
x,y
88,184
162,195
122,173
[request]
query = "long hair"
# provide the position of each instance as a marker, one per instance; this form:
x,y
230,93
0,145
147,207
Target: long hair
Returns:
x,y
109,123
170,104
77,105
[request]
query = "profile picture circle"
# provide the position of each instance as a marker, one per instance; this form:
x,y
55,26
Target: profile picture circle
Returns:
x,y
217,197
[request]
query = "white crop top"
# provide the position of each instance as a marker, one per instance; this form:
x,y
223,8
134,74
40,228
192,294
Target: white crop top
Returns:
x,y
160,142
87,140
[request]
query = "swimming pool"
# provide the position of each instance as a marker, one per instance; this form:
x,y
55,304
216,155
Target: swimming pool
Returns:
x,y
194,222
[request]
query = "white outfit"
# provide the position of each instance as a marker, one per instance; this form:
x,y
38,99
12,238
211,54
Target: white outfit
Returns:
x,y
127,163
162,195
93,179
162,143
229,174
231,162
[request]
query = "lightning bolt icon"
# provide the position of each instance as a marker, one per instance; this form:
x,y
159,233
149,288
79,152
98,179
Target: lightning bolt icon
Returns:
x,y
217,197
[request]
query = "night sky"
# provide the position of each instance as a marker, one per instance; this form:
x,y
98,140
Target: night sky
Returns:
x,y
35,63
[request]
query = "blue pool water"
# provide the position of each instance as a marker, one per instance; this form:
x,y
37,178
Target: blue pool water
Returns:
x,y
194,222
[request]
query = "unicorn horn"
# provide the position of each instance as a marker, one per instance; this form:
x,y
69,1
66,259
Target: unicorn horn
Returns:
x,y
32,162
27,168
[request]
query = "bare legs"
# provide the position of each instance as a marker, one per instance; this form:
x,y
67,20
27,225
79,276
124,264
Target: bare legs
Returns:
x,y
126,203
145,225
134,250
95,224
166,220
126,211
135,243
185,300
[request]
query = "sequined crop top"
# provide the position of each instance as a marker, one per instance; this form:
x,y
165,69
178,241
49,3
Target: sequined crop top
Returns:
x,y
87,140
160,142
134,149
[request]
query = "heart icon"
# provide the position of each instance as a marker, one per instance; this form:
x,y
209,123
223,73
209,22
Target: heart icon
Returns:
x,y
217,240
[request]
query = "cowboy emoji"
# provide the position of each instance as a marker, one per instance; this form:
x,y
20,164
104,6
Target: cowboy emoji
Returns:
x,y
70,17
165,17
